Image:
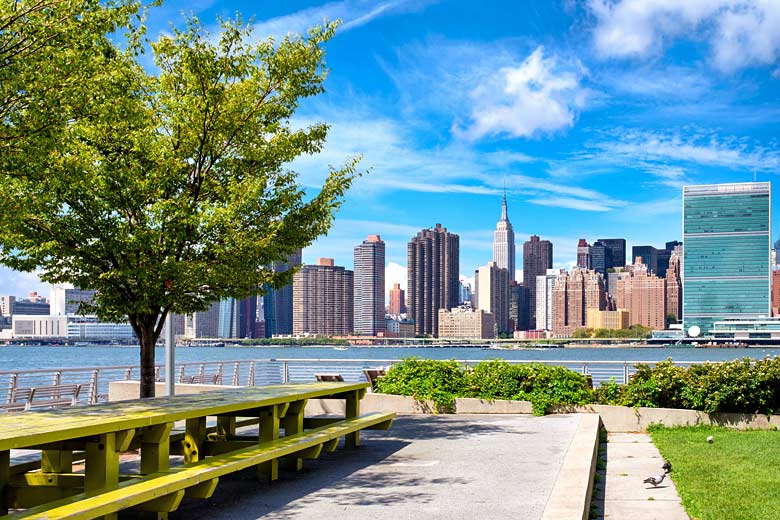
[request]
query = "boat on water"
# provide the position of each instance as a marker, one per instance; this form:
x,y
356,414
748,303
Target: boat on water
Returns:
x,y
340,348
733,344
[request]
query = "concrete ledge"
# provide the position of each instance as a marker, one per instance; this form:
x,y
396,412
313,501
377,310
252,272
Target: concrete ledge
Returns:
x,y
623,419
570,497
126,390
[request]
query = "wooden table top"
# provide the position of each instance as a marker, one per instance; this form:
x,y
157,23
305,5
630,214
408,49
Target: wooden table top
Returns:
x,y
24,429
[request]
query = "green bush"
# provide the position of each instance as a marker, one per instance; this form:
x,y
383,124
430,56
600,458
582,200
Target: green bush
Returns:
x,y
442,381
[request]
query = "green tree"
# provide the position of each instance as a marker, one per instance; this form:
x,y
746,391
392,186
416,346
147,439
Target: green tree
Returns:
x,y
168,192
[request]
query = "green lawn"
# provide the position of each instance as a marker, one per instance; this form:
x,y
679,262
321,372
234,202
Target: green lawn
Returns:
x,y
735,477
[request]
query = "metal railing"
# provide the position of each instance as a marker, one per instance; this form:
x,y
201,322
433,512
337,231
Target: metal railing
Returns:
x,y
95,380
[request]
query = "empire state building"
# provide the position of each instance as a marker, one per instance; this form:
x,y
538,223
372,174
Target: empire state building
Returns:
x,y
504,243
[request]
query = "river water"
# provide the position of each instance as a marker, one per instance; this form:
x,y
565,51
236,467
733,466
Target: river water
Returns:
x,y
30,358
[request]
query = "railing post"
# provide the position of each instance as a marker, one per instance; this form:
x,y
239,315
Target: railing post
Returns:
x,y
285,372
625,372
57,378
236,373
128,374
181,373
251,376
218,378
12,382
93,393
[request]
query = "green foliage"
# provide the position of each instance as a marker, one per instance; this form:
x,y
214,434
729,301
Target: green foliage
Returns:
x,y
634,331
740,465
442,381
742,386
608,392
582,333
439,381
165,193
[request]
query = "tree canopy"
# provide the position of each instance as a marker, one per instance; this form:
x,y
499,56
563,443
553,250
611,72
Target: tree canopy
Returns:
x,y
163,191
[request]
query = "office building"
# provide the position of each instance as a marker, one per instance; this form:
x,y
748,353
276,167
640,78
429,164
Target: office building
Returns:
x,y
466,295
537,259
612,320
504,242
397,300
278,303
323,298
615,252
399,327
432,262
369,291
492,287
518,306
203,324
466,323
583,254
643,295
573,294
599,257
674,285
70,327
10,306
66,300
727,238
544,295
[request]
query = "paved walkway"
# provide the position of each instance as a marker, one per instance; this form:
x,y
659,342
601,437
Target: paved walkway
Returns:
x,y
432,467
618,493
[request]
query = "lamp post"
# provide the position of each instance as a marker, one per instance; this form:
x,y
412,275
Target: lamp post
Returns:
x,y
170,361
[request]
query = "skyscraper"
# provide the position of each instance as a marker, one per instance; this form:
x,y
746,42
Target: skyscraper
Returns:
x,y
643,295
649,256
583,254
616,252
573,294
674,285
323,299
504,243
493,293
278,303
397,300
727,238
518,306
432,262
370,286
544,292
537,258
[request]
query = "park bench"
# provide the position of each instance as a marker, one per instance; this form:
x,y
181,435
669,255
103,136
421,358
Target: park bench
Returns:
x,y
163,491
373,375
328,377
50,396
206,379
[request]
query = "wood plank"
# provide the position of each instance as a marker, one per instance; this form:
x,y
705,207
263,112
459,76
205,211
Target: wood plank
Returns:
x,y
5,478
353,410
20,430
138,491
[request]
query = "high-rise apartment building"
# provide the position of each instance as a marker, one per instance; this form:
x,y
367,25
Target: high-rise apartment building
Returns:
x,y
466,323
492,283
397,300
370,286
674,285
649,256
323,299
518,306
537,259
727,238
504,242
776,292
643,295
432,262
544,295
573,294
583,254
278,303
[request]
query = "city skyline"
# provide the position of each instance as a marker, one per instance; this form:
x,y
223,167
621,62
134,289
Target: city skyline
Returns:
x,y
593,114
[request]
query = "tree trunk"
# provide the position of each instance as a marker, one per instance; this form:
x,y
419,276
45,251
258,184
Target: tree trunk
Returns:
x,y
148,342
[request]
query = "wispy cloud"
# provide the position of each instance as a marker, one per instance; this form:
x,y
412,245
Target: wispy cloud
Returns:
x,y
740,33
352,13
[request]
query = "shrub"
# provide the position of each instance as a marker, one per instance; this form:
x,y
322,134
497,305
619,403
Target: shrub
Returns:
x,y
439,381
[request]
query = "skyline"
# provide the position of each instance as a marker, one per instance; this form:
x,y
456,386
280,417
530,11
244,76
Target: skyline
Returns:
x,y
594,114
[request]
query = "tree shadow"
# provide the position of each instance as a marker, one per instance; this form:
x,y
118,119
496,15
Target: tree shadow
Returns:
x,y
597,505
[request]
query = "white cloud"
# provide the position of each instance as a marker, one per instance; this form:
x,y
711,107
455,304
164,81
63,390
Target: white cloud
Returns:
x,y
540,96
353,13
740,33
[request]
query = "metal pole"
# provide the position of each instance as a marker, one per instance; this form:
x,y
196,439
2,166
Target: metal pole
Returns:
x,y
170,361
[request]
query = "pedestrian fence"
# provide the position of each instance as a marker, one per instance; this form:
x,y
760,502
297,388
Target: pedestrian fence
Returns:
x,y
95,380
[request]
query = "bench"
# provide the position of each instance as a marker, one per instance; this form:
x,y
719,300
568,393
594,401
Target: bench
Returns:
x,y
373,375
329,377
205,379
52,396
163,491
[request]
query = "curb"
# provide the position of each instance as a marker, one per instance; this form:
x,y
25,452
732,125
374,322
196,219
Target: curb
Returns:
x,y
570,497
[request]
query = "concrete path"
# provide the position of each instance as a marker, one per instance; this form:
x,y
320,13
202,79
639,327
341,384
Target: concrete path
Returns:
x,y
625,460
432,467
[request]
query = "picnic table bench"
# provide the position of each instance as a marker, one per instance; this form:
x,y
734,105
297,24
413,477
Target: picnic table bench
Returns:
x,y
52,490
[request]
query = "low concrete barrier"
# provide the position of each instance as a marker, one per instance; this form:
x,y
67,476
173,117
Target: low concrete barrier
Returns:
x,y
570,497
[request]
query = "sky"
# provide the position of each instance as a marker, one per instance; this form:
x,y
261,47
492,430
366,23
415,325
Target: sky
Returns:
x,y
593,114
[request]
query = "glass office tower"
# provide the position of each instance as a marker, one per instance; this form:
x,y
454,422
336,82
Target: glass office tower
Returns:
x,y
726,253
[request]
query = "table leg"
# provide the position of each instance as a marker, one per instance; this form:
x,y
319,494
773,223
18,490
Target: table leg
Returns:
x,y
56,461
5,478
269,431
292,424
102,467
226,426
194,439
352,411
155,448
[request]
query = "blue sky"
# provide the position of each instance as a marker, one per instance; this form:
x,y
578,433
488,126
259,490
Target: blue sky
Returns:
x,y
593,113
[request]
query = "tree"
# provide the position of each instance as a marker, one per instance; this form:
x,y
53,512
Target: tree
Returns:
x,y
168,192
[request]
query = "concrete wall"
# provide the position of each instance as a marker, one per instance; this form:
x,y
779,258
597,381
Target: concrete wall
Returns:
x,y
615,419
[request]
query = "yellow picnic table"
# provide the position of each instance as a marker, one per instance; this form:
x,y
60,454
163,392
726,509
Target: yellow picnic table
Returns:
x,y
50,489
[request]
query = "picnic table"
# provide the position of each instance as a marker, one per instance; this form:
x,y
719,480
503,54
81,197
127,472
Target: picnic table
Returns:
x,y
50,488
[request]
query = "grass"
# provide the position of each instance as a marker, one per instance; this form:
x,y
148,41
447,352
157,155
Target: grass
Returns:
x,y
735,477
